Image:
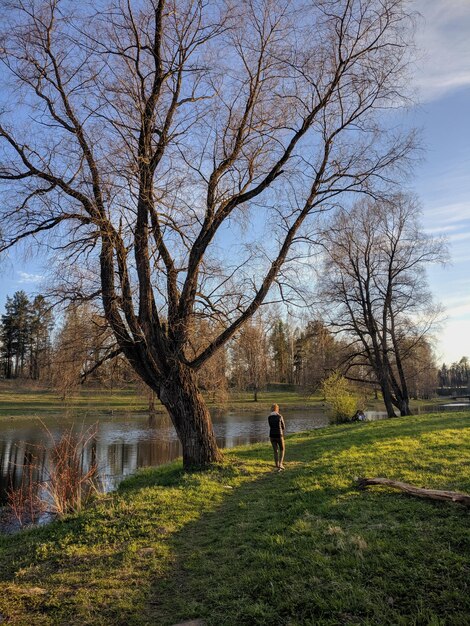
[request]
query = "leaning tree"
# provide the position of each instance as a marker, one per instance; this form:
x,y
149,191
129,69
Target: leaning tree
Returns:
x,y
179,147
374,291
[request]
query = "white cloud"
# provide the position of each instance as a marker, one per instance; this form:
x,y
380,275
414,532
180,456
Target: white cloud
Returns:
x,y
443,40
450,213
29,278
451,222
462,283
444,183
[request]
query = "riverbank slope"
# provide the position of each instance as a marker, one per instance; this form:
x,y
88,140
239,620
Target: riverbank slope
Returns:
x,y
243,544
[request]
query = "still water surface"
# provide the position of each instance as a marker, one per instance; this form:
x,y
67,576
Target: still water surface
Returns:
x,y
123,443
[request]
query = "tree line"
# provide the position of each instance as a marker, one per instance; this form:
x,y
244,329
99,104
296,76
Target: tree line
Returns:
x,y
455,376
273,349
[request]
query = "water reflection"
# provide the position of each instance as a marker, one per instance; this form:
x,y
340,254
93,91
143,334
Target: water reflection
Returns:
x,y
123,443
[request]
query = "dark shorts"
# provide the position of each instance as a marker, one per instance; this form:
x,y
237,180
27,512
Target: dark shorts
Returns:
x,y
278,442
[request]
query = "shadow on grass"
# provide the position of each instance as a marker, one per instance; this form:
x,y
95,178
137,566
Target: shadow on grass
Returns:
x,y
305,547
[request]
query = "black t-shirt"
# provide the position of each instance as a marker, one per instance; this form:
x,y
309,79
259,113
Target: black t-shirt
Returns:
x,y
276,425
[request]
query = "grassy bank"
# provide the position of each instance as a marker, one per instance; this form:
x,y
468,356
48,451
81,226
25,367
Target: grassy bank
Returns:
x,y
19,401
243,544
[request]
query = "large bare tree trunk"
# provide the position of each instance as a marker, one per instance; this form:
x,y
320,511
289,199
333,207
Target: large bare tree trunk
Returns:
x,y
386,394
405,407
190,417
404,396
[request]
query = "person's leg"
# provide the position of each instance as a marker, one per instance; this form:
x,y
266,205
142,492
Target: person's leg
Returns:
x,y
274,445
282,450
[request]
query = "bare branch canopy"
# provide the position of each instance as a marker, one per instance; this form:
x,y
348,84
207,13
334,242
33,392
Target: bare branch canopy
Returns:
x,y
185,146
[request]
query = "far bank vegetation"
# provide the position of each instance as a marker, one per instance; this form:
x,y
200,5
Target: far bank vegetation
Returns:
x,y
273,352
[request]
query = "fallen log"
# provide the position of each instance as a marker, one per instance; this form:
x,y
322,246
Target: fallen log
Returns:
x,y
433,494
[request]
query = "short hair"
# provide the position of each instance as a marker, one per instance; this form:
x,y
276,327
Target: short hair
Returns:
x,y
275,407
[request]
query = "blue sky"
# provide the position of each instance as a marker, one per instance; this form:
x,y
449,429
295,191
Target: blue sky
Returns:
x,y
442,77
443,180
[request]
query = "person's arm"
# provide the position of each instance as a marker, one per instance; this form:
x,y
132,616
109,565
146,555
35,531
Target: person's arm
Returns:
x,y
283,426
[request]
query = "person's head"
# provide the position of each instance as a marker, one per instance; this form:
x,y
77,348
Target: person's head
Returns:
x,y
275,408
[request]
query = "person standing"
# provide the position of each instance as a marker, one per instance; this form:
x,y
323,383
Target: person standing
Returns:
x,y
276,435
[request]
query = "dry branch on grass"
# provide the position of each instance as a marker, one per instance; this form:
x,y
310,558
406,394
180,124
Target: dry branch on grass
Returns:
x,y
420,492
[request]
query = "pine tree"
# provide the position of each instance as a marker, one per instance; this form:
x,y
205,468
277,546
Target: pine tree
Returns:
x,y
281,340
7,339
25,336
15,334
41,321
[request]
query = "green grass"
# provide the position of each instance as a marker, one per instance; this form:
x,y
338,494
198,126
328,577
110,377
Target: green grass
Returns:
x,y
244,400
17,401
20,400
244,545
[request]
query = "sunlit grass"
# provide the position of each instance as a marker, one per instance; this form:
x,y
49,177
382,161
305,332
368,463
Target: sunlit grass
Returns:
x,y
22,400
242,544
16,401
28,401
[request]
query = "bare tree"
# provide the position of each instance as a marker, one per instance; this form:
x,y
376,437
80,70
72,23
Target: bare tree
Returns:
x,y
421,369
154,139
250,356
211,377
376,290
317,354
82,345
